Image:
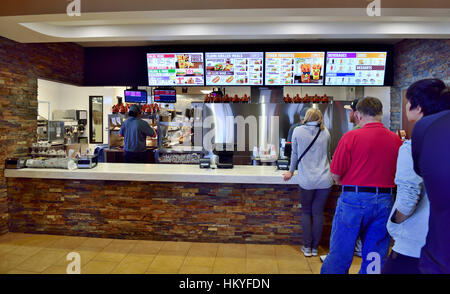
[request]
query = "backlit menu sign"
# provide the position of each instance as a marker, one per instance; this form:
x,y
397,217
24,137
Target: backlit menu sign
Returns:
x,y
294,68
355,68
238,68
175,69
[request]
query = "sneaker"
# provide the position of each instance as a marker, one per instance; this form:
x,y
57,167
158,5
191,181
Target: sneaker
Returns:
x,y
358,253
314,252
322,257
306,251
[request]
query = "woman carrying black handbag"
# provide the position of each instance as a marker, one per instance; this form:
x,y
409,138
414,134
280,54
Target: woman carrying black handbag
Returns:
x,y
312,141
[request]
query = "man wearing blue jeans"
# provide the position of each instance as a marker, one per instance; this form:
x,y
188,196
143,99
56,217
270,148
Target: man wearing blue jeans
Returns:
x,y
364,163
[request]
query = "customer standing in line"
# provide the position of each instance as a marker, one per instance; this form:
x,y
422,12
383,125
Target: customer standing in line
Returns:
x,y
408,223
430,151
352,117
364,163
314,176
354,120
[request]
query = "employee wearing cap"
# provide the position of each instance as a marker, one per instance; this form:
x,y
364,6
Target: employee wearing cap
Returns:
x,y
134,132
353,117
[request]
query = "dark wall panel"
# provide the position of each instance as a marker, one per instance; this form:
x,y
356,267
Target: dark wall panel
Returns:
x,y
115,66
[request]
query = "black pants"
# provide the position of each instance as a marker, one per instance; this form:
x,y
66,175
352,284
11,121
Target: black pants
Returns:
x,y
401,264
134,157
313,203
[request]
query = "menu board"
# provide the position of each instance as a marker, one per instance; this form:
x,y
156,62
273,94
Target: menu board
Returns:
x,y
175,69
294,68
355,68
237,68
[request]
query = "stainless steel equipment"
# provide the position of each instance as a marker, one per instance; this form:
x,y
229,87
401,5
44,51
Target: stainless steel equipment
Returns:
x,y
265,121
75,122
56,131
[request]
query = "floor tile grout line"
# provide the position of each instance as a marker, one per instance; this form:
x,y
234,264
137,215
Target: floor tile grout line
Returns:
x,y
126,254
185,256
131,249
157,253
215,258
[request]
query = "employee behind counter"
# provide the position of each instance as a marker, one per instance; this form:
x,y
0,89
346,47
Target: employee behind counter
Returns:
x,y
134,131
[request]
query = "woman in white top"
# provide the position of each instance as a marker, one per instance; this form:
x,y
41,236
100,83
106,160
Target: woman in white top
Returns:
x,y
314,177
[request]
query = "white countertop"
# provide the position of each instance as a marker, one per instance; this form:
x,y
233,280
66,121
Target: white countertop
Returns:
x,y
240,174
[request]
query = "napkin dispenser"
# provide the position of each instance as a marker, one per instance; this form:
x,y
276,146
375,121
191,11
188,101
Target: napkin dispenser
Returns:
x,y
283,164
205,163
87,162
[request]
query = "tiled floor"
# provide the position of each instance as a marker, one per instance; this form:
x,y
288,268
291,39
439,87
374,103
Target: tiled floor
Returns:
x,y
46,254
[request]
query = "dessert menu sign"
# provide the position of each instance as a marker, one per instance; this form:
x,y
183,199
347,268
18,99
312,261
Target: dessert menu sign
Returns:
x,y
175,69
237,68
355,68
294,68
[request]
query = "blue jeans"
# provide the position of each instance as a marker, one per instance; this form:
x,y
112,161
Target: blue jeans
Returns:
x,y
358,214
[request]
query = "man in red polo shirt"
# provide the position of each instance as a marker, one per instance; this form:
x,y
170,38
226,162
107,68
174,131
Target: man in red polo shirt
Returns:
x,y
364,163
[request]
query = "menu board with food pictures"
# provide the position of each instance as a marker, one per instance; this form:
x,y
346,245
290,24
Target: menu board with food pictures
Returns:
x,y
175,69
294,68
355,68
237,68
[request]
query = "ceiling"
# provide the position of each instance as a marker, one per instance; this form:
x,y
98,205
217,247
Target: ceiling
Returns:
x,y
217,26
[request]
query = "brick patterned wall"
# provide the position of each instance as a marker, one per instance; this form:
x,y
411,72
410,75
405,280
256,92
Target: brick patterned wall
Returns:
x,y
415,60
161,211
20,67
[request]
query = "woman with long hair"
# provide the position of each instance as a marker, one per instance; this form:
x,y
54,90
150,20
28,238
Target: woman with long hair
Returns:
x,y
314,177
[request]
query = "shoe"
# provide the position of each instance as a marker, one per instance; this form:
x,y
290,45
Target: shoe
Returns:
x,y
314,252
358,253
322,257
306,251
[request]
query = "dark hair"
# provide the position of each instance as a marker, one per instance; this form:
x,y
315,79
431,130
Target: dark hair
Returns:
x,y
134,110
430,94
370,106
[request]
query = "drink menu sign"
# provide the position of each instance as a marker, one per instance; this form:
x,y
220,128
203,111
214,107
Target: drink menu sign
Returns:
x,y
175,69
238,68
355,68
294,68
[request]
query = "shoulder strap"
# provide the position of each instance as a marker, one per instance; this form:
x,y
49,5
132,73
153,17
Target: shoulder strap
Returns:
x,y
309,147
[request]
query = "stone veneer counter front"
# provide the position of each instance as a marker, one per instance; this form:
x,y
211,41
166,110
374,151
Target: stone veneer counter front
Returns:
x,y
246,204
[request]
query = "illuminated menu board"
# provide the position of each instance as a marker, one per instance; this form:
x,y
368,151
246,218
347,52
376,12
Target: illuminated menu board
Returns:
x,y
175,69
355,68
237,68
294,68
